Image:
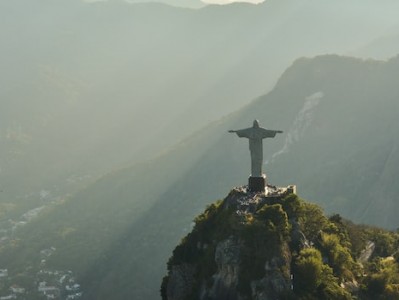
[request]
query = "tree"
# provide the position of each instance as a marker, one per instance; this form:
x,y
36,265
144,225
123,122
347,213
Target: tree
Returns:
x,y
308,270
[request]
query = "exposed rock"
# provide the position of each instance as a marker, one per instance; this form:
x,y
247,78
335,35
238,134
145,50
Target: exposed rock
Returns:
x,y
231,256
227,258
180,282
225,280
298,238
276,280
367,252
351,286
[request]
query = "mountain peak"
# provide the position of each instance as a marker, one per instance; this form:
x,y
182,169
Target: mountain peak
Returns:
x,y
221,244
276,246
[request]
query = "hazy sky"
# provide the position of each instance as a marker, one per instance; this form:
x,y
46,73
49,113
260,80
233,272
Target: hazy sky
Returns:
x,y
230,1
205,1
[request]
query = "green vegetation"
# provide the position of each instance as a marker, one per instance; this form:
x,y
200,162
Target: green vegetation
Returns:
x,y
326,269
203,233
313,279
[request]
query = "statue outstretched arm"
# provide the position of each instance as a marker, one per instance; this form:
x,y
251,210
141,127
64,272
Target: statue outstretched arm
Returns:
x,y
275,131
268,133
243,132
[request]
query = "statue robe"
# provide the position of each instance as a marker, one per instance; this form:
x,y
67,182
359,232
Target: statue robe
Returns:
x,y
255,136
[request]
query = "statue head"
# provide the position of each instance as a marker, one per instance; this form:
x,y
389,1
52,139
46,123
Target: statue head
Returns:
x,y
256,124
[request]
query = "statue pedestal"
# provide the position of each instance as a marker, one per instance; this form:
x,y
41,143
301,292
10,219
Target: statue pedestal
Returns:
x,y
257,184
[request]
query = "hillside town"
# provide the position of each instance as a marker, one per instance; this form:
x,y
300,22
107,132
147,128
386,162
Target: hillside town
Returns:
x,y
46,283
43,282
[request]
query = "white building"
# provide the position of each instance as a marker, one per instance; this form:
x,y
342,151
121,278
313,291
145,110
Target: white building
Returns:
x,y
17,289
3,273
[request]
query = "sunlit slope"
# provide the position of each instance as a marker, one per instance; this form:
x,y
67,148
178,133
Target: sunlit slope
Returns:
x,y
87,87
340,146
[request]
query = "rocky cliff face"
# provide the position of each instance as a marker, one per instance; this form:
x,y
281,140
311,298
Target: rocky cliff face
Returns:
x,y
254,246
231,243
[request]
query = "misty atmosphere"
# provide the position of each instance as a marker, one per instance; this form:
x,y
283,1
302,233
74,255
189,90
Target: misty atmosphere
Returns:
x,y
114,119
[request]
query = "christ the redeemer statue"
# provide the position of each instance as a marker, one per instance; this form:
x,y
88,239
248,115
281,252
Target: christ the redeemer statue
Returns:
x,y
256,134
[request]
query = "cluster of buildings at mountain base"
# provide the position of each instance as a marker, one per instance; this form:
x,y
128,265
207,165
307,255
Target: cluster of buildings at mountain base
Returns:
x,y
50,284
41,282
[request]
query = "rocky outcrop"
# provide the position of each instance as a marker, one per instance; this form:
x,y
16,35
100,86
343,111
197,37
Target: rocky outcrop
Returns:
x,y
276,278
274,246
225,280
367,252
298,238
249,261
181,282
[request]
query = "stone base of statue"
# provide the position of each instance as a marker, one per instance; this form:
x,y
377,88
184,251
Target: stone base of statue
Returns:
x,y
257,184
